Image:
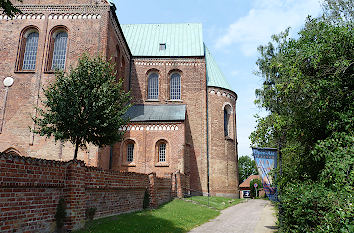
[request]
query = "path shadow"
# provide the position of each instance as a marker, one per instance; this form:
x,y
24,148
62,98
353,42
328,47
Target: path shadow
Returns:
x,y
272,227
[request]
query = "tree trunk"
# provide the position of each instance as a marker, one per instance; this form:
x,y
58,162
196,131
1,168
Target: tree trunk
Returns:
x,y
76,149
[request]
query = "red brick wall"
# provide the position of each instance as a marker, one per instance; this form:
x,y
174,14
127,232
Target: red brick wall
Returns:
x,y
30,190
29,193
91,28
190,151
115,192
146,136
223,150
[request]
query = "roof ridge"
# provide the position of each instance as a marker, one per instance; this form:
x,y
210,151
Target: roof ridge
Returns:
x,y
215,77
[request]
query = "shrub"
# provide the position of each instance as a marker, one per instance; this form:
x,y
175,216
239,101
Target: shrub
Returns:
x,y
253,190
309,207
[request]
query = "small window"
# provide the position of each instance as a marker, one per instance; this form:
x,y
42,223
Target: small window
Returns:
x,y
59,50
226,123
162,46
162,152
175,87
130,152
227,120
153,86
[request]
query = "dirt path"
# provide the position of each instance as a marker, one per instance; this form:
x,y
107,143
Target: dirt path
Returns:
x,y
252,216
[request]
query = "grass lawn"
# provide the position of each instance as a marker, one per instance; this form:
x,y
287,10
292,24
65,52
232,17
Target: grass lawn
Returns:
x,y
176,216
218,203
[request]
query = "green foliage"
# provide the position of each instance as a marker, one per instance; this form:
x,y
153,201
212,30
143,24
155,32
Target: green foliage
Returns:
x,y
312,207
253,190
60,214
339,11
8,8
146,201
308,92
246,167
84,106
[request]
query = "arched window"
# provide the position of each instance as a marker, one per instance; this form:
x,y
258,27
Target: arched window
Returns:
x,y
28,50
130,152
162,152
153,86
175,86
12,151
59,50
227,114
30,54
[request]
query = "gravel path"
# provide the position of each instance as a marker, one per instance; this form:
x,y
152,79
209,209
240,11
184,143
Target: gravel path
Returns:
x,y
251,216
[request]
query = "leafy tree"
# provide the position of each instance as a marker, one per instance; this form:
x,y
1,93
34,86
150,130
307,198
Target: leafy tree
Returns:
x,y
8,8
84,106
253,189
308,92
339,11
246,167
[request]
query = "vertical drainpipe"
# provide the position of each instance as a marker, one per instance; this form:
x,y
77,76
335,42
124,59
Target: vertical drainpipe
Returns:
x,y
207,124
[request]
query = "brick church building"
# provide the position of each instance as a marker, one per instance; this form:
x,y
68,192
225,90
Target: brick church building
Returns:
x,y
183,116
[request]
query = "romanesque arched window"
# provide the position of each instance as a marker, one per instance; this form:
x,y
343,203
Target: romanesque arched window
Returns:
x,y
12,151
175,86
28,50
59,50
227,114
130,152
161,152
153,86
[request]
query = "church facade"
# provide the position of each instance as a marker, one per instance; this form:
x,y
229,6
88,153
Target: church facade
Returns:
x,y
183,114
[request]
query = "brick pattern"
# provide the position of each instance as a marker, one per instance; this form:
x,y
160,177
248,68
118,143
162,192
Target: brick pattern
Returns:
x,y
30,190
223,150
189,144
91,28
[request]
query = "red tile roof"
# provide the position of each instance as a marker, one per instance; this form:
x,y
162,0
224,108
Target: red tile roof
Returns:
x,y
246,183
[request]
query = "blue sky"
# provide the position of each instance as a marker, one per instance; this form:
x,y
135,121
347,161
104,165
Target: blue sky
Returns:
x,y
233,29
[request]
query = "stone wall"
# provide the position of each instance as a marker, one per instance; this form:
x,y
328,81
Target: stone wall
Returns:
x,y
30,190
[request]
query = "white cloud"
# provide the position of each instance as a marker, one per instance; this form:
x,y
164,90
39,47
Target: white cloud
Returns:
x,y
267,17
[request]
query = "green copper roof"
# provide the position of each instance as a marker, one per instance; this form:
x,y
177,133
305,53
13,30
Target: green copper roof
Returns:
x,y
182,40
215,77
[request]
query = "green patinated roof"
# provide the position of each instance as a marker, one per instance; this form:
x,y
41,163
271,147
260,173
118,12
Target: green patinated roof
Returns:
x,y
182,40
215,77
